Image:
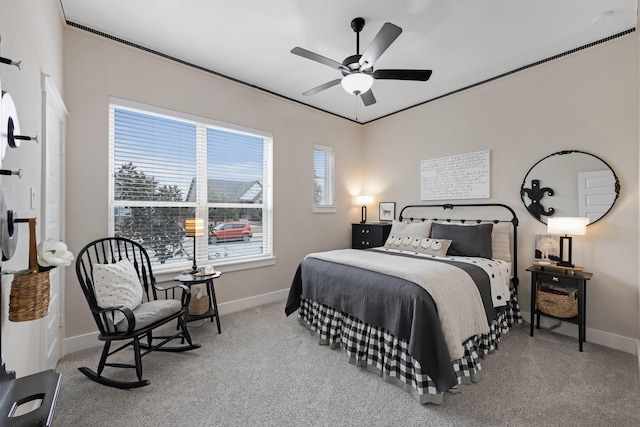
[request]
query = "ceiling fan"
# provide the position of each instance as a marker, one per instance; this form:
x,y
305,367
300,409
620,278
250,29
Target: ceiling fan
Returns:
x,y
357,70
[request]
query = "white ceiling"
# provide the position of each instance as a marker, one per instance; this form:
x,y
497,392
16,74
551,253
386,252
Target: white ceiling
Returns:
x,y
464,42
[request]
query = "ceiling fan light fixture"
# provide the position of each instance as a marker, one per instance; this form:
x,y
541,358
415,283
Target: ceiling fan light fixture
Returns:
x,y
357,83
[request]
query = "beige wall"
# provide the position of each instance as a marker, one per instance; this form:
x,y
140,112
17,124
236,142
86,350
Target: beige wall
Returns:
x,y
31,31
96,68
586,101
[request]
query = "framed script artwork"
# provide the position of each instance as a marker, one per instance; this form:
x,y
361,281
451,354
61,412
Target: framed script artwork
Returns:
x,y
387,211
463,176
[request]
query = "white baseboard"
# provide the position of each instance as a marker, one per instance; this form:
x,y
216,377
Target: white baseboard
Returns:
x,y
90,340
80,342
607,339
638,354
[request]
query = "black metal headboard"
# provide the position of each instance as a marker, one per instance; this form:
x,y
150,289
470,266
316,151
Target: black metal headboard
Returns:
x,y
455,213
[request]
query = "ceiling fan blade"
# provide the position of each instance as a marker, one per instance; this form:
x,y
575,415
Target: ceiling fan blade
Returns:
x,y
318,58
420,75
368,98
322,87
387,34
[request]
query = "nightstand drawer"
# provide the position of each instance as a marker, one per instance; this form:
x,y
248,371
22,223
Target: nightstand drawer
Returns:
x,y
369,235
557,279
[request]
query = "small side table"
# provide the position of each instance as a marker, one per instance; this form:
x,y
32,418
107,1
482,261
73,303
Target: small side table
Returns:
x,y
569,279
190,280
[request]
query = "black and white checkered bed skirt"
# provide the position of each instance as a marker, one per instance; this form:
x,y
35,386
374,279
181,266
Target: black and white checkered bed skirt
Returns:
x,y
378,351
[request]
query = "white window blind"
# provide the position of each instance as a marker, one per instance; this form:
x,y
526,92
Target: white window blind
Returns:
x,y
235,184
324,180
167,168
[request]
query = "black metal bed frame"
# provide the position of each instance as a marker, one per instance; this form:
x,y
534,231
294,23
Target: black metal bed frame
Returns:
x,y
451,206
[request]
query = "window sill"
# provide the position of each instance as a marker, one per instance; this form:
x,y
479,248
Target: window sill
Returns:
x,y
169,274
324,209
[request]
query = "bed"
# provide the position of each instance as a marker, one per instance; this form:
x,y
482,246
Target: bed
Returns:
x,y
422,310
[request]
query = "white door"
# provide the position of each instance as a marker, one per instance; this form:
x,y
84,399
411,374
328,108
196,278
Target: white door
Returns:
x,y
596,193
52,220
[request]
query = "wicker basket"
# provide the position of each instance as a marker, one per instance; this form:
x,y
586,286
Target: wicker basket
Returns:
x,y
29,298
198,306
557,305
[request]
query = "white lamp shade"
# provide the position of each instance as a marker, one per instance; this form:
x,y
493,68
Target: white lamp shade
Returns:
x,y
363,200
357,83
567,225
194,227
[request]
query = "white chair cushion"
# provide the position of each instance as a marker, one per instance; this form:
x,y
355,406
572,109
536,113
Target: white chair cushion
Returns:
x,y
150,312
117,285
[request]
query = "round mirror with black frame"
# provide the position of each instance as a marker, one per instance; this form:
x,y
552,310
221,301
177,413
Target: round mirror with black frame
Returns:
x,y
570,183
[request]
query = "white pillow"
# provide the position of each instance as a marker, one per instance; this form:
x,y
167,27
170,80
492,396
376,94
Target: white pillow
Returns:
x,y
412,230
423,245
414,237
501,241
418,229
429,246
117,285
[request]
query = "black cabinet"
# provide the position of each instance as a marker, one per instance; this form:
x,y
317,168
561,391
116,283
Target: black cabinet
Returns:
x,y
565,278
369,234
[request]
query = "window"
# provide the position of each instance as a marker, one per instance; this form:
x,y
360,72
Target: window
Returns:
x,y
323,191
167,166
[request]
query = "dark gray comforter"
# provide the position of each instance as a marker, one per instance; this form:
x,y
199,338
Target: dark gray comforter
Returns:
x,y
401,307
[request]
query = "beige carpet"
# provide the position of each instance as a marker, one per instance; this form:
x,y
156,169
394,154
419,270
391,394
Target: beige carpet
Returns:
x,y
267,370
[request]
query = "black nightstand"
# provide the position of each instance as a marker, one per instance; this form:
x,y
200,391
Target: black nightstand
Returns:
x,y
565,278
369,234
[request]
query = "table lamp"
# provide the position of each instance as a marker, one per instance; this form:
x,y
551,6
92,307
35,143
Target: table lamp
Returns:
x,y
363,201
569,226
194,227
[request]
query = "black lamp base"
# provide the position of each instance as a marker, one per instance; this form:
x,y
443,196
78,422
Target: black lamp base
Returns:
x,y
195,268
364,215
562,262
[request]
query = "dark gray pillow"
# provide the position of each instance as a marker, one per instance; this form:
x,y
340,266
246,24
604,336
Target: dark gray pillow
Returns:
x,y
466,240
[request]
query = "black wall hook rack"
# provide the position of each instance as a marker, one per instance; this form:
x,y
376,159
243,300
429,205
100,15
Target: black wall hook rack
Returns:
x,y
27,138
10,172
11,62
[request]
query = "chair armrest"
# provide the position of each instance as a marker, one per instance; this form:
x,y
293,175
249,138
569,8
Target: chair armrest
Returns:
x,y
186,292
108,324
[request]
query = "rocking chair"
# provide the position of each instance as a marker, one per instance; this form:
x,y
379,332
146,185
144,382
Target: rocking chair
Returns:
x,y
130,324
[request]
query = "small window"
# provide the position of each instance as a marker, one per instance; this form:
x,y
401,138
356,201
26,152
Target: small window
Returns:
x,y
324,180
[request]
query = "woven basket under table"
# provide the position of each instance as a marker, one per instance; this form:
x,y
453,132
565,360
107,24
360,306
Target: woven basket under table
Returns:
x,y
563,306
198,306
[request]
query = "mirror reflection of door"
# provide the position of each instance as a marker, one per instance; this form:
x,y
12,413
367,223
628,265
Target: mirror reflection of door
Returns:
x,y
596,194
